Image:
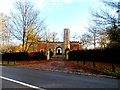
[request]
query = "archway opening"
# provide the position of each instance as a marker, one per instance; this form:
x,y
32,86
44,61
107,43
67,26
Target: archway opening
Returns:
x,y
59,51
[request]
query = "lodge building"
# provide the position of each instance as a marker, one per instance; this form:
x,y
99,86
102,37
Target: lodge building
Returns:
x,y
59,48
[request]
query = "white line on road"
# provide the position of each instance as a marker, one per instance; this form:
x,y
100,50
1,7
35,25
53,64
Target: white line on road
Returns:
x,y
22,83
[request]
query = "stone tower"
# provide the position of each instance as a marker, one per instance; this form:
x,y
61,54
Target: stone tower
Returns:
x,y
66,38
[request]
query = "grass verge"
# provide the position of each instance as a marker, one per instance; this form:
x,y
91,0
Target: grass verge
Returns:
x,y
111,73
5,63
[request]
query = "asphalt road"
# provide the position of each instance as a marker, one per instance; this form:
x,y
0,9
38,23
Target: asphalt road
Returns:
x,y
49,79
9,84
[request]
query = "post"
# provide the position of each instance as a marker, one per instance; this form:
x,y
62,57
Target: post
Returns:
x,y
48,55
67,56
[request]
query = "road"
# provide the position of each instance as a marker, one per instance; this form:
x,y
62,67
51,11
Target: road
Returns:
x,y
49,79
9,84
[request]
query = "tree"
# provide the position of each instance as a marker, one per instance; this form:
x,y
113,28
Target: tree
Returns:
x,y
86,40
50,36
99,38
24,21
108,20
4,33
46,36
103,41
112,4
54,36
75,37
114,36
32,41
94,33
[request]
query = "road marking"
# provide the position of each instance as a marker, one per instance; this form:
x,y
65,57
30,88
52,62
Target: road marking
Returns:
x,y
22,83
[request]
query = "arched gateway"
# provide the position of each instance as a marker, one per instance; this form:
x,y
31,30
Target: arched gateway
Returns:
x,y
59,48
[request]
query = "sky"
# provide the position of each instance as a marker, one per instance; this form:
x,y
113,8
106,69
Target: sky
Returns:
x,y
60,14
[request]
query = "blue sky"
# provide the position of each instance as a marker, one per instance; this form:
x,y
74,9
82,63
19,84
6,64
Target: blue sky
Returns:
x,y
73,14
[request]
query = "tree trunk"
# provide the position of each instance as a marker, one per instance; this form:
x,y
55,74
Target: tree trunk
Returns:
x,y
23,49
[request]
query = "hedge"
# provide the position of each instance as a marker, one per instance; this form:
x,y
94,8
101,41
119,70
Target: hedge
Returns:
x,y
19,56
110,55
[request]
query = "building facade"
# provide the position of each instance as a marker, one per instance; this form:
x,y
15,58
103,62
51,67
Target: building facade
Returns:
x,y
59,48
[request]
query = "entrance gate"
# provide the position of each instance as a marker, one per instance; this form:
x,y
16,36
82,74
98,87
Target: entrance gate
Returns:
x,y
59,51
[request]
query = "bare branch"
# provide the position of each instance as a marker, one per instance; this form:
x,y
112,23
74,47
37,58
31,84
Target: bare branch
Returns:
x,y
110,3
25,22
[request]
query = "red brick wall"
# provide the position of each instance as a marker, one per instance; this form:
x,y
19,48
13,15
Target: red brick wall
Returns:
x,y
75,46
52,46
41,46
47,46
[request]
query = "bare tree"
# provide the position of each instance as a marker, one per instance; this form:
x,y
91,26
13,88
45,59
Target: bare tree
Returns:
x,y
107,20
24,21
103,41
111,3
76,37
104,18
54,36
49,36
86,40
46,35
94,33
4,33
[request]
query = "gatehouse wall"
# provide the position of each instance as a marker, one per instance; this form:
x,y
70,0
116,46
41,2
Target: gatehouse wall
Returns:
x,y
46,45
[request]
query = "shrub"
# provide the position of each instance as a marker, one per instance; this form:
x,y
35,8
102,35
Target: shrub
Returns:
x,y
67,49
51,53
